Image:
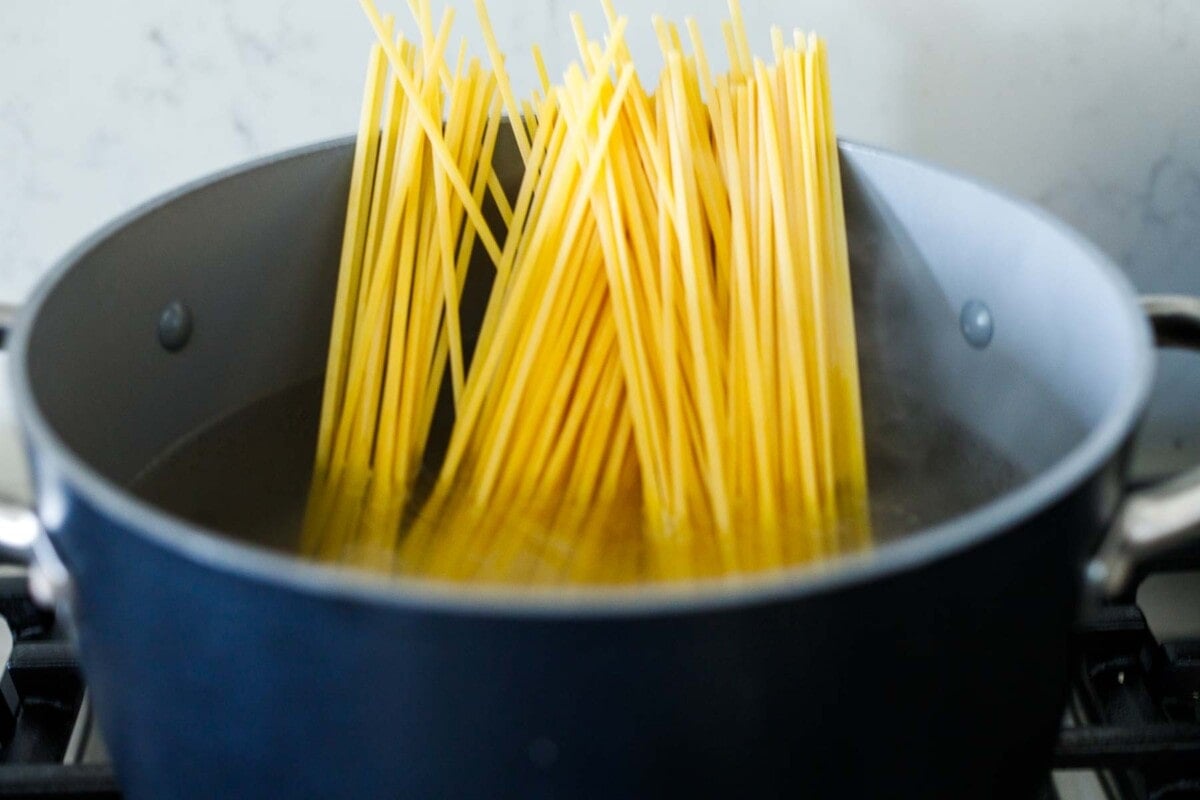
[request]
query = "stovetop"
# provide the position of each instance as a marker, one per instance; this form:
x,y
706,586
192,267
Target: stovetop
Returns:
x,y
49,747
1131,730
1133,718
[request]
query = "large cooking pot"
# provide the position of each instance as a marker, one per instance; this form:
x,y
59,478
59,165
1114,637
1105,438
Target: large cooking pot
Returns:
x,y
933,665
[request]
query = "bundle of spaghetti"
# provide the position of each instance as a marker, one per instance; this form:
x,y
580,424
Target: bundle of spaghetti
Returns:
x,y
546,392
665,381
413,217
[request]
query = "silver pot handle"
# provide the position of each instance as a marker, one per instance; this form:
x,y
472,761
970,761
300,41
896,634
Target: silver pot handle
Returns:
x,y
8,314
1155,520
21,535
18,524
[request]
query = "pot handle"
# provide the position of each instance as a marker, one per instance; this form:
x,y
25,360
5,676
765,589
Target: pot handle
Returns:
x,y
1152,521
8,314
21,536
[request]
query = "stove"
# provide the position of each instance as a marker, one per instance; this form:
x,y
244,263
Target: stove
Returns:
x,y
1131,729
1133,717
49,747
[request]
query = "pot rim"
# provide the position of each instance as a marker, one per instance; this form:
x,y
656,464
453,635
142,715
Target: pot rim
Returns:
x,y
212,549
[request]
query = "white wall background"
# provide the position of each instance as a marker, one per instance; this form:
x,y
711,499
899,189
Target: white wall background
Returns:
x,y
1090,107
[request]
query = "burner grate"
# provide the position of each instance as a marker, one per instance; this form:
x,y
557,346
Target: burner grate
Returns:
x,y
45,719
1136,707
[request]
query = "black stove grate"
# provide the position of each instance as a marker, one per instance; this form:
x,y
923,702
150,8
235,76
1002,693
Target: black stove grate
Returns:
x,y
1136,702
46,745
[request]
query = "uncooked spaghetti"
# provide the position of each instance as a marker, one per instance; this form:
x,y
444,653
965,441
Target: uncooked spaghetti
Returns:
x,y
664,384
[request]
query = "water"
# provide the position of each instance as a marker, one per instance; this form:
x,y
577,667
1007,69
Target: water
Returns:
x,y
247,475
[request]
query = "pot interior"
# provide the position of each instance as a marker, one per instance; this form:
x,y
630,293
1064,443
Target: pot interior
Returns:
x,y
221,432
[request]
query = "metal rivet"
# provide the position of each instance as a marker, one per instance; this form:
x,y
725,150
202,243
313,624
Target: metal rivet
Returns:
x,y
543,752
976,323
174,326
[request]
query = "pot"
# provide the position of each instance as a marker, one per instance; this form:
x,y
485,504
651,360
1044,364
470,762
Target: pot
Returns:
x,y
933,665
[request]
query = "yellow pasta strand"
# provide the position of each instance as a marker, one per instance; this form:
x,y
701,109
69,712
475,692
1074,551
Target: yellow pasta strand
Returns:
x,y
664,383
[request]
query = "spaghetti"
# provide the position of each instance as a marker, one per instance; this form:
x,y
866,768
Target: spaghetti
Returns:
x,y
664,384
